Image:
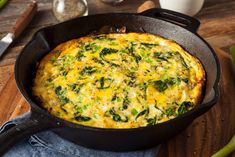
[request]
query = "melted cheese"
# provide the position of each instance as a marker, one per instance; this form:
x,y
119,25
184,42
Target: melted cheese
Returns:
x,y
119,80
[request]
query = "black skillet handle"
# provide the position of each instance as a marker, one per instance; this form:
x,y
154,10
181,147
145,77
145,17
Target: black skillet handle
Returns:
x,y
183,20
25,127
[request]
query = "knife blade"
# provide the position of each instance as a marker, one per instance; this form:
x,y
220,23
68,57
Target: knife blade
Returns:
x,y
19,26
5,42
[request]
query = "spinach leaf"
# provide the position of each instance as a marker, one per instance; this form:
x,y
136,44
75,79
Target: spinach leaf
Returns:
x,y
171,81
130,49
158,107
65,60
97,61
126,102
58,90
88,70
89,46
144,112
144,87
160,85
60,93
76,87
151,121
79,55
82,118
170,111
114,98
106,51
117,117
64,73
163,56
182,60
149,45
104,83
132,77
184,107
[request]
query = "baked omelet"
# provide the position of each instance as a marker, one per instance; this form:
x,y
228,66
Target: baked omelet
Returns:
x,y
119,80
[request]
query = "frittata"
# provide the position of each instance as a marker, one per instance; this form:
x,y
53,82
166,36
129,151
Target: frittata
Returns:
x,y
119,80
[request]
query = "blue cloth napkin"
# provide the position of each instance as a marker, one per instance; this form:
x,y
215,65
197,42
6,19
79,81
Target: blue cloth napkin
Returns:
x,y
47,143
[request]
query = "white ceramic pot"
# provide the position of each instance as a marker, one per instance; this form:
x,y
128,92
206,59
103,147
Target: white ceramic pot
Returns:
x,y
189,7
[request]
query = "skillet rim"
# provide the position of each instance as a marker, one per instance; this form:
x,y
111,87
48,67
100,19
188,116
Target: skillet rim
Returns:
x,y
195,112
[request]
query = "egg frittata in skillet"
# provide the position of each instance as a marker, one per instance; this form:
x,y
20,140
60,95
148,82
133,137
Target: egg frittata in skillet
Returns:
x,y
119,80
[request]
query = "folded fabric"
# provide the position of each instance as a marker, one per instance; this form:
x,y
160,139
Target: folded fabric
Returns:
x,y
47,143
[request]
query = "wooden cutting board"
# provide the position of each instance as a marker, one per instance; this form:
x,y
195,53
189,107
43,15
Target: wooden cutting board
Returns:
x,y
203,137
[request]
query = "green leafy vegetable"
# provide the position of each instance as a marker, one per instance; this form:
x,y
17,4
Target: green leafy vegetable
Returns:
x,y
62,108
158,108
130,49
88,70
117,117
149,45
114,98
184,107
144,87
126,102
76,87
82,118
97,61
163,56
170,111
132,77
144,112
107,51
66,60
104,83
79,55
151,121
58,90
64,73
89,46
162,85
182,60
60,93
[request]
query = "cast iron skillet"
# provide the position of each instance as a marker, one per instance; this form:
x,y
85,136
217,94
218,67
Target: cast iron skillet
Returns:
x,y
171,25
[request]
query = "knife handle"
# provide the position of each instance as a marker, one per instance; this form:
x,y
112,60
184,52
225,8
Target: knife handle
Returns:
x,y
24,19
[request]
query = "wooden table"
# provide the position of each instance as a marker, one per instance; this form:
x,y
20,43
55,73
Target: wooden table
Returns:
x,y
204,136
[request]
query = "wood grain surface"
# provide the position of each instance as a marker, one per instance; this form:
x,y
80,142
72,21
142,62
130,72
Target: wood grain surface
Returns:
x,y
204,136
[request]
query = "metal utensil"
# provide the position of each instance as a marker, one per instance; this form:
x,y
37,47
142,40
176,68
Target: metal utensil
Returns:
x,y
19,26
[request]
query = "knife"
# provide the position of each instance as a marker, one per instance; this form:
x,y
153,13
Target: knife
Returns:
x,y
19,26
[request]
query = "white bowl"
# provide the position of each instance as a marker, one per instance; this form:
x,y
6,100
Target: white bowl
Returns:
x,y
188,7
